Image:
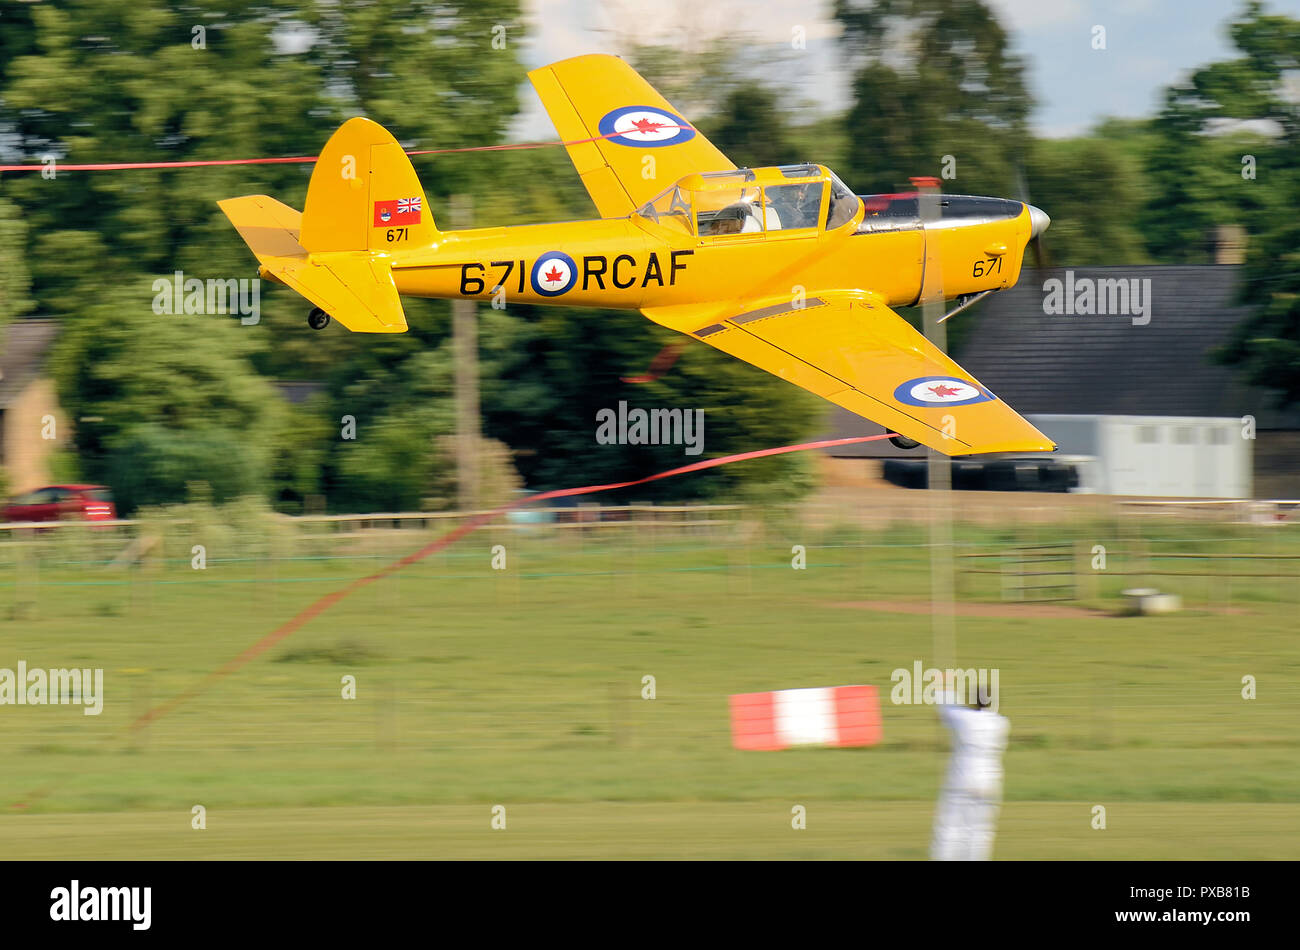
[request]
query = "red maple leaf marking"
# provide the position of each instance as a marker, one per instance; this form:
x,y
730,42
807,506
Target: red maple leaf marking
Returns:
x,y
645,125
553,275
942,390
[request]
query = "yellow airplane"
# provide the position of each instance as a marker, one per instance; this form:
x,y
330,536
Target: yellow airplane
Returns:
x,y
782,267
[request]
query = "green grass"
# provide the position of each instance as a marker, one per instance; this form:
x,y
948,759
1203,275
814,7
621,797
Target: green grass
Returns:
x,y
523,688
656,830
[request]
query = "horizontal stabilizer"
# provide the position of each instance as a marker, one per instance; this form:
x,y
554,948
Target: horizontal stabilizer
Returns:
x,y
350,286
268,227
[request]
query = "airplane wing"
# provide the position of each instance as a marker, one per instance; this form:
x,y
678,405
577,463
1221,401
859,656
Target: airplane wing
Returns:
x,y
850,348
618,121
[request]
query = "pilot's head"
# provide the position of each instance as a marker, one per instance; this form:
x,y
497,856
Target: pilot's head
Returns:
x,y
730,220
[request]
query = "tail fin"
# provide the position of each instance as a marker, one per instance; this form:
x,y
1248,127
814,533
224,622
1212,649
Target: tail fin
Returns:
x,y
363,188
363,193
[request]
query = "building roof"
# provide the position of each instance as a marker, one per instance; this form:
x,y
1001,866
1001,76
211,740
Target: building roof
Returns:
x,y
1042,362
22,357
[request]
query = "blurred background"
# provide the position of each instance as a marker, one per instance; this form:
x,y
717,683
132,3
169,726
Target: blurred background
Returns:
x,y
1161,140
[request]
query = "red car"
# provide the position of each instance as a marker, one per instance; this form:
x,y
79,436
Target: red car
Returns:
x,y
63,503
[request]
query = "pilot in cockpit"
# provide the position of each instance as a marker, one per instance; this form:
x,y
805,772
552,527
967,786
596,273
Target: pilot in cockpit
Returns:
x,y
797,205
730,220
742,218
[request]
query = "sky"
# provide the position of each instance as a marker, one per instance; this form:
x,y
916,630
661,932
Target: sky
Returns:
x,y
1149,44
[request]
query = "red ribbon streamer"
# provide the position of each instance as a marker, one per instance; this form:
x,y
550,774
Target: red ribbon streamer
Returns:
x,y
329,600
661,364
301,159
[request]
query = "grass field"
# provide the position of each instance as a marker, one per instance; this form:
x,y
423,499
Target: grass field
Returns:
x,y
523,688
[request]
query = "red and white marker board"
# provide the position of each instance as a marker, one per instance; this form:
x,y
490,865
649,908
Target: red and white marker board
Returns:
x,y
827,715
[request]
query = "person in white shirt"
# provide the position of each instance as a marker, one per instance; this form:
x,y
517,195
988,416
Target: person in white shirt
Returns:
x,y
972,790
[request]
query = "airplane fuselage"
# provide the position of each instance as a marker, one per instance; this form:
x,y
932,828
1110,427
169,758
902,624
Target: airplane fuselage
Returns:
x,y
632,263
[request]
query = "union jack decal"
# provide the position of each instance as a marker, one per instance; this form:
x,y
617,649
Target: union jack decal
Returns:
x,y
397,212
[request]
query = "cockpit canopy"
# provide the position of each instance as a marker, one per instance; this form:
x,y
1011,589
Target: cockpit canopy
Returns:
x,y
755,202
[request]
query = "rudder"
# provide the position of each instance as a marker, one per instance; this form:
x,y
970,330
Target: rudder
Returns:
x,y
362,190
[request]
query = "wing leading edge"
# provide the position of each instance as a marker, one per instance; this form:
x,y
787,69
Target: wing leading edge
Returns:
x,y
853,350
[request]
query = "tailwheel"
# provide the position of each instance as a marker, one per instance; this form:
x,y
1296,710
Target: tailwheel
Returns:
x,y
903,442
318,319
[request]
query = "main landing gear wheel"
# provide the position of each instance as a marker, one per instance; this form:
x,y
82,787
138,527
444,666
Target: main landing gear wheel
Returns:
x,y
318,319
903,442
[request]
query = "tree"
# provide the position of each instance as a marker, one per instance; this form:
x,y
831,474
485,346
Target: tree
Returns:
x,y
15,282
1196,160
135,82
441,75
1252,87
145,80
932,78
751,130
1091,187
152,464
547,372
162,401
1266,344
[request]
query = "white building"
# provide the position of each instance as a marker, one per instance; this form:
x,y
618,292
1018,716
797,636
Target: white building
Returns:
x,y
1176,456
